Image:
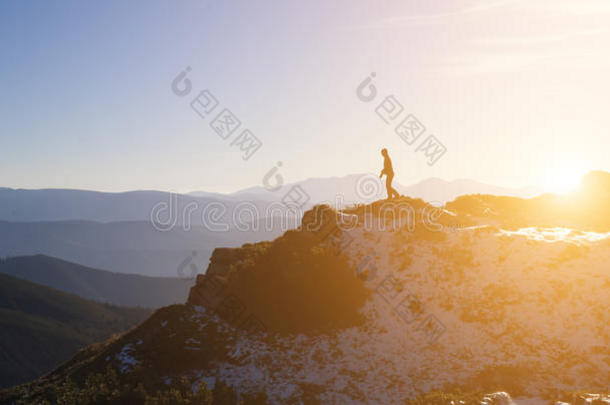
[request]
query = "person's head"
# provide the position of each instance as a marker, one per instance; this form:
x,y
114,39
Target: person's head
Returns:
x,y
384,152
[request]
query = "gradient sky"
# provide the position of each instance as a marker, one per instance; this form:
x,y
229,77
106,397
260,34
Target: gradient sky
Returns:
x,y
517,91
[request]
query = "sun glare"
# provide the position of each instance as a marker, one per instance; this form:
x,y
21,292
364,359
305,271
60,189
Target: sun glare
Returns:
x,y
565,180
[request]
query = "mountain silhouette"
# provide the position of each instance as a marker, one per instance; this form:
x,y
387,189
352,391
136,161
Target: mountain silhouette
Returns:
x,y
325,190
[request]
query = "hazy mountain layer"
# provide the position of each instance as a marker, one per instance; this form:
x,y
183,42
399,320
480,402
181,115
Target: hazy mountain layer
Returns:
x,y
99,285
18,205
125,247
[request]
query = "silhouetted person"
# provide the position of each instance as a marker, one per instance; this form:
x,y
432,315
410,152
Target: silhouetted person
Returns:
x,y
389,174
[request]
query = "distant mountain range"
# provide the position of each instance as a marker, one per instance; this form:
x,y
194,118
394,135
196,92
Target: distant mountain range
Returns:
x,y
18,205
153,232
41,327
364,188
124,247
128,290
435,189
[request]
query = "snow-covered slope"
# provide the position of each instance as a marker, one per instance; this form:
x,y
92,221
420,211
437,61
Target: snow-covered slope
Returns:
x,y
520,310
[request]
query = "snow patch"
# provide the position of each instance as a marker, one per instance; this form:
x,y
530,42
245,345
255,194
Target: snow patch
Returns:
x,y
127,361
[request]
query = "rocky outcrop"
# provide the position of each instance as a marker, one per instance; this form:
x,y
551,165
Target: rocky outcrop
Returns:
x,y
224,260
215,279
289,285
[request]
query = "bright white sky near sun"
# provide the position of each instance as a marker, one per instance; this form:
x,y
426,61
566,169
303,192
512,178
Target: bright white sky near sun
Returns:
x,y
516,90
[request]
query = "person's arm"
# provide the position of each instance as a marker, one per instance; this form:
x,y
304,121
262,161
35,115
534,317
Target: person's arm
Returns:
x,y
382,173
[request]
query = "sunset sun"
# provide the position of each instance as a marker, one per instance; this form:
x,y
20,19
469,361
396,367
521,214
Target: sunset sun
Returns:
x,y
565,179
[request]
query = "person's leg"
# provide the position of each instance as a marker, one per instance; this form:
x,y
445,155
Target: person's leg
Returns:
x,y
396,195
388,185
392,193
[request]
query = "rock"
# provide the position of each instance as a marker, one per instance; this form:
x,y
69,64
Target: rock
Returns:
x,y
318,218
207,291
222,258
497,398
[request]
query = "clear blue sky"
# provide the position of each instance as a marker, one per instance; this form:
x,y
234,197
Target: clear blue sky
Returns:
x,y
516,90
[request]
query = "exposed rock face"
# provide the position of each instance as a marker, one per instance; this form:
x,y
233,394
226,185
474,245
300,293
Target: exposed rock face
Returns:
x,y
290,285
216,273
206,290
223,258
